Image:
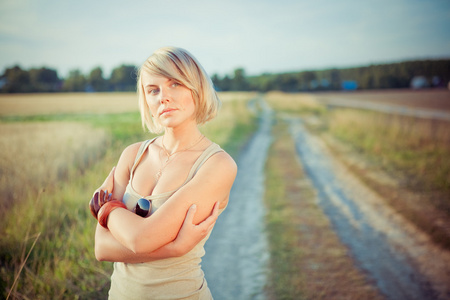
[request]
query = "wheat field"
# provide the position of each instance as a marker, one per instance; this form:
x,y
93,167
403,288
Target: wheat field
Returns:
x,y
36,155
69,103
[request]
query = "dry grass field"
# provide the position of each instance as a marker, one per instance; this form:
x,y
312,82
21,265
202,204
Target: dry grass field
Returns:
x,y
37,155
425,99
69,103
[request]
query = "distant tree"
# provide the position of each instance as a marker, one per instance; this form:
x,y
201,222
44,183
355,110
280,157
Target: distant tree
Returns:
x,y
123,78
335,79
216,81
287,82
263,83
367,81
95,80
239,81
15,80
75,82
224,84
307,78
44,80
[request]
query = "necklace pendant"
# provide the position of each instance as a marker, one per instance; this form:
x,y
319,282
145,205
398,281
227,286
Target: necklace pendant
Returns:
x,y
158,175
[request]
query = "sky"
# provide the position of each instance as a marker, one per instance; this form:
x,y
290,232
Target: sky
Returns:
x,y
260,36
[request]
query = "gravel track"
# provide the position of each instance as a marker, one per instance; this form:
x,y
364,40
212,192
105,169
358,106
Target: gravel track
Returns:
x,y
237,253
394,253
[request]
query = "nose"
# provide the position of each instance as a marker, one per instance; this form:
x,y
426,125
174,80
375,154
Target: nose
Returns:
x,y
164,96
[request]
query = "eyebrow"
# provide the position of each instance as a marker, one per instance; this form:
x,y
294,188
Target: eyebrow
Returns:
x,y
151,85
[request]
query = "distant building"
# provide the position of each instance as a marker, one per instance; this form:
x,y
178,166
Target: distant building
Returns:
x,y
325,83
419,82
349,85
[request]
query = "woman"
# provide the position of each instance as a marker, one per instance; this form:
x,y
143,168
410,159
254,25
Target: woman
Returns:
x,y
179,173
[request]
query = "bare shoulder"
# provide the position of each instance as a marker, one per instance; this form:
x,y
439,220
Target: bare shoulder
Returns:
x,y
128,156
132,149
216,177
130,152
222,163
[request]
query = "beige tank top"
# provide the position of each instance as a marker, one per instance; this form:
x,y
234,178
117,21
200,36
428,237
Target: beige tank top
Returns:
x,y
170,278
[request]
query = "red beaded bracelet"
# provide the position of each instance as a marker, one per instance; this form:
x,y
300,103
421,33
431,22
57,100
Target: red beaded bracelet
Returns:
x,y
106,209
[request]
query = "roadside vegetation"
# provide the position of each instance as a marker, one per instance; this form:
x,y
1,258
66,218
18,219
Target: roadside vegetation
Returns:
x,y
414,152
46,245
307,259
402,158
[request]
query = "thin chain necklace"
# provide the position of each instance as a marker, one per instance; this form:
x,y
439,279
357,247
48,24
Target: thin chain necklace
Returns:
x,y
169,155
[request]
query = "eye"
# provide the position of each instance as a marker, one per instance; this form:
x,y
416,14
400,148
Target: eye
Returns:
x,y
154,91
175,84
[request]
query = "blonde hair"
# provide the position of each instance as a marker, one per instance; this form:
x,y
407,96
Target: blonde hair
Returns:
x,y
180,65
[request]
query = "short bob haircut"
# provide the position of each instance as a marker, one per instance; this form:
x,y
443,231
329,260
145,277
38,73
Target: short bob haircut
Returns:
x,y
178,64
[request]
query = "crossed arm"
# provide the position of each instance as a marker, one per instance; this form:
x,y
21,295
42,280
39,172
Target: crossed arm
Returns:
x,y
177,226
107,248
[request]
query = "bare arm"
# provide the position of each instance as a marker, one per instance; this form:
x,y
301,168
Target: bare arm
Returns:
x,y
107,248
211,184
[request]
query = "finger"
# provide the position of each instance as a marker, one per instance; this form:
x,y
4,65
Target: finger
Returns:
x,y
210,228
102,197
216,209
96,201
190,214
215,212
105,197
211,220
93,205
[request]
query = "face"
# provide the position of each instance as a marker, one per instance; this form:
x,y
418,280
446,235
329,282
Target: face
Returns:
x,y
170,103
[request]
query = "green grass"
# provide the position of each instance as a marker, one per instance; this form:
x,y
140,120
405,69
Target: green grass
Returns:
x,y
62,264
286,280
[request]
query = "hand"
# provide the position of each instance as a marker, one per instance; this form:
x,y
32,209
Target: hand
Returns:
x,y
191,234
101,195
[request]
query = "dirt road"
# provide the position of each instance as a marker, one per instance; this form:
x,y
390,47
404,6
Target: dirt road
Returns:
x,y
396,255
236,258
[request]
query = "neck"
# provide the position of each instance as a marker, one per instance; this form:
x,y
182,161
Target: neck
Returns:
x,y
176,139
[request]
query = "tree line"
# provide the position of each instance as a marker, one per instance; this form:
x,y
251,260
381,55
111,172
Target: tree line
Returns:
x,y
45,80
416,74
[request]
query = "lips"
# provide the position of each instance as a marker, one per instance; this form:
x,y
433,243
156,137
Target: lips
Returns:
x,y
167,110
